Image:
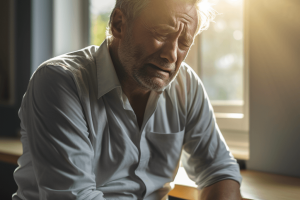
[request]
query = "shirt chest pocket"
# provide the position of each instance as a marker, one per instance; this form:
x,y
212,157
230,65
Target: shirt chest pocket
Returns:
x,y
165,151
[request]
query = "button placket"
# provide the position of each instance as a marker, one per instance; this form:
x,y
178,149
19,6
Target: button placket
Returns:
x,y
143,145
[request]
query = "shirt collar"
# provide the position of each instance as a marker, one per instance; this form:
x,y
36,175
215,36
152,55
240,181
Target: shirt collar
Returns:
x,y
107,78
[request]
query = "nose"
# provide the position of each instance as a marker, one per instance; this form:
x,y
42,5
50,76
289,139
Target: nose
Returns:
x,y
169,51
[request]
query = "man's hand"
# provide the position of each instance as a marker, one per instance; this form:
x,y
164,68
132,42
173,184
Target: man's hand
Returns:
x,y
223,190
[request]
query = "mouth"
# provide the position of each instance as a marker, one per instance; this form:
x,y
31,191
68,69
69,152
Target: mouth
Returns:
x,y
158,68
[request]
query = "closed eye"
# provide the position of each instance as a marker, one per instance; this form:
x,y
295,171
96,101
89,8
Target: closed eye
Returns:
x,y
184,44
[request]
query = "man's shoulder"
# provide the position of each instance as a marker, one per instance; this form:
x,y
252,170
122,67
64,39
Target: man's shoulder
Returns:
x,y
79,65
74,60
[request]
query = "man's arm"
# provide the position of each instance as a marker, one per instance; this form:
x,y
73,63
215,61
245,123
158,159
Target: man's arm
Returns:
x,y
61,151
223,190
206,157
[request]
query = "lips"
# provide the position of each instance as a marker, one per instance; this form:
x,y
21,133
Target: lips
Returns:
x,y
158,68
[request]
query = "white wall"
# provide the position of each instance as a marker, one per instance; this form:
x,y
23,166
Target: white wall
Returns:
x,y
275,86
41,28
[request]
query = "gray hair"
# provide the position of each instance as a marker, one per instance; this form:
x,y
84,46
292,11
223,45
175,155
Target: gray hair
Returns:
x,y
132,8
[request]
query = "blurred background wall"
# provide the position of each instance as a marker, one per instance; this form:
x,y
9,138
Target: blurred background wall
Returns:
x,y
40,30
16,41
32,31
15,45
274,56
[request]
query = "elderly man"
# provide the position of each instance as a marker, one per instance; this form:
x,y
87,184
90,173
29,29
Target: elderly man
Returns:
x,y
113,122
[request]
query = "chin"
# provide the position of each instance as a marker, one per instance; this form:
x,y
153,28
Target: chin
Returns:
x,y
158,84
152,84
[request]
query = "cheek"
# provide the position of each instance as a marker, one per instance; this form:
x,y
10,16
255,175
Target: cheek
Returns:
x,y
148,45
180,57
154,45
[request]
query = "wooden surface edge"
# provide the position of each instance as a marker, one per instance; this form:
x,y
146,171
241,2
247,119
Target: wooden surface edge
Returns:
x,y
187,193
9,158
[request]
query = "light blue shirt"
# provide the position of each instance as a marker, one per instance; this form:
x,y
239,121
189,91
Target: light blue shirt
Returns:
x,y
81,139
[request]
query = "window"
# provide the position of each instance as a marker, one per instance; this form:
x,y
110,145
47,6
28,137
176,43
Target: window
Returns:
x,y
222,57
218,58
99,15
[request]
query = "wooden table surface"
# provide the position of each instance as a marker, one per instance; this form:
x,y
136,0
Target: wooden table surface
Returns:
x,y
265,186
255,185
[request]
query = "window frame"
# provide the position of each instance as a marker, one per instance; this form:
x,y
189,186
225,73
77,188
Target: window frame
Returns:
x,y
230,115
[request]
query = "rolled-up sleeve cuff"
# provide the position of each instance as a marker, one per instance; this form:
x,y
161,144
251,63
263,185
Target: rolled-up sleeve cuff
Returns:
x,y
218,177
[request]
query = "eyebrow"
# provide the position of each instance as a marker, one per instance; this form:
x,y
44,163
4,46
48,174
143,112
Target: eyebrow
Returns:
x,y
165,28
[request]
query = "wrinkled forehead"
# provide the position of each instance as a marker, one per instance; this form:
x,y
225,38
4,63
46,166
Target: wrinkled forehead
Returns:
x,y
170,13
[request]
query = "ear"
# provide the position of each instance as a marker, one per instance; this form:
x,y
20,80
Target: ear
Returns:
x,y
117,23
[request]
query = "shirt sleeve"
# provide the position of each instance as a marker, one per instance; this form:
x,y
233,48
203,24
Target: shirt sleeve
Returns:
x,y
62,154
206,157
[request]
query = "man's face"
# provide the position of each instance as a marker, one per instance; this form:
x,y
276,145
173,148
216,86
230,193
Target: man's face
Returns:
x,y
157,42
